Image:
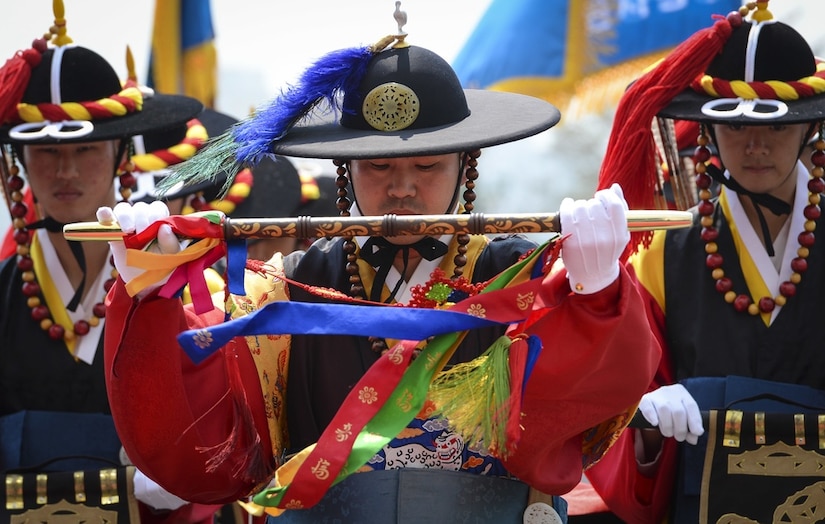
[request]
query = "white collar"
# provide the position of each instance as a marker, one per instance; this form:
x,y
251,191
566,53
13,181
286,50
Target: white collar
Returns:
x,y
751,238
86,345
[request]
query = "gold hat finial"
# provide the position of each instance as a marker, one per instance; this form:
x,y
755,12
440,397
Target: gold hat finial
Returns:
x,y
131,75
759,11
59,27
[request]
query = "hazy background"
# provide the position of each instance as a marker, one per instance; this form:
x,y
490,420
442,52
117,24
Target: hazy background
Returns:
x,y
264,44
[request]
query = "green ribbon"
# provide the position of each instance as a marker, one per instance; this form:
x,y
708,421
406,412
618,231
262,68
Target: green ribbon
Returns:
x,y
411,392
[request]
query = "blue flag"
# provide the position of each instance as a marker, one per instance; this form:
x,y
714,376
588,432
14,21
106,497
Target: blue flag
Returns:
x,y
183,58
554,49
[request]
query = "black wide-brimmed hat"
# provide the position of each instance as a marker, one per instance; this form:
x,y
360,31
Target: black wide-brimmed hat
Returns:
x,y
387,100
69,93
737,71
766,73
411,103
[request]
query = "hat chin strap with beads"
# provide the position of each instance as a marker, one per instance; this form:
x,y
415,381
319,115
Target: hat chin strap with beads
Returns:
x,y
75,116
379,345
724,285
748,95
26,265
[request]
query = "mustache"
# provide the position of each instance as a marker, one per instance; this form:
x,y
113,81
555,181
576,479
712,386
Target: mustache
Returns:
x,y
395,204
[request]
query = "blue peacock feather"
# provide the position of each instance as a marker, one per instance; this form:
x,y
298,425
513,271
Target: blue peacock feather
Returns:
x,y
247,142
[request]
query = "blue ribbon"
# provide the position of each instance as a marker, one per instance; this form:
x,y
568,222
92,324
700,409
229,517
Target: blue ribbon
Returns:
x,y
306,318
235,266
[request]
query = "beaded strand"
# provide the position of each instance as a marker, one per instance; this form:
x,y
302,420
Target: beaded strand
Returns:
x,y
31,288
709,234
379,345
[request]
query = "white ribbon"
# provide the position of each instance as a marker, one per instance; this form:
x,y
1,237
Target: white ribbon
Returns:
x,y
745,108
38,130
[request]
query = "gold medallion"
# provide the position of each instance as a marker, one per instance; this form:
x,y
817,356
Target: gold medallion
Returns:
x,y
391,107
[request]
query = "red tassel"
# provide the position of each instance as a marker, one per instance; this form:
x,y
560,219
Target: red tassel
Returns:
x,y
14,78
250,464
630,159
518,364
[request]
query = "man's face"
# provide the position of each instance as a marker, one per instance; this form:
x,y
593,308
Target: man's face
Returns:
x,y
761,158
71,181
422,185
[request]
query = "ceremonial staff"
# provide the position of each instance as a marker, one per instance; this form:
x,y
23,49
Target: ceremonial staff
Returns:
x,y
391,225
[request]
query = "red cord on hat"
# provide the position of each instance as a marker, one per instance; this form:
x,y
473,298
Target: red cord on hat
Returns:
x,y
630,159
15,75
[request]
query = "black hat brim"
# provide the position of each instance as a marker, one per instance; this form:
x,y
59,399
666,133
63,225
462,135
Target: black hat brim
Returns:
x,y
688,106
159,113
495,118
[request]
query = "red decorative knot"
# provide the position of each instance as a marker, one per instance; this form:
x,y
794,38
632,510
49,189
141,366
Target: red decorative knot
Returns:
x,y
436,291
40,45
31,288
735,18
709,234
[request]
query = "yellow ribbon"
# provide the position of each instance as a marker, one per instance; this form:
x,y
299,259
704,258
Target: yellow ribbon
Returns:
x,y
157,266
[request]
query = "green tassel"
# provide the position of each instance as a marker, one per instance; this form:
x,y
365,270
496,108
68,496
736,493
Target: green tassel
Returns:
x,y
474,397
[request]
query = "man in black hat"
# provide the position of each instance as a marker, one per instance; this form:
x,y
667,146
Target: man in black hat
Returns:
x,y
67,122
408,139
734,299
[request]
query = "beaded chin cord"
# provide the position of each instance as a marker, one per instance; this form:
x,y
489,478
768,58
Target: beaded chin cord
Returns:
x,y
741,301
31,288
379,345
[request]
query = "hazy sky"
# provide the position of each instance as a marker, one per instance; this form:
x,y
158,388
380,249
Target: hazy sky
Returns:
x,y
261,44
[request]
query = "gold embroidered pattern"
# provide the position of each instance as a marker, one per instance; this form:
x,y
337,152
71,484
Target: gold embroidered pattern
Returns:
x,y
269,352
344,433
431,361
806,505
203,338
396,355
779,460
321,469
524,300
405,400
64,511
368,395
391,107
477,310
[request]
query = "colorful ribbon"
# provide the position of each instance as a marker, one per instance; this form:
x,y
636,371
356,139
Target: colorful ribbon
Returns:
x,y
306,318
393,390
184,267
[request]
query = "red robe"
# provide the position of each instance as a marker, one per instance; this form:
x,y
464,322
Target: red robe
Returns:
x,y
600,357
631,495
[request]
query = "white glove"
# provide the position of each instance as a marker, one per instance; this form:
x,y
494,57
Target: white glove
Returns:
x,y
598,236
150,493
675,411
134,219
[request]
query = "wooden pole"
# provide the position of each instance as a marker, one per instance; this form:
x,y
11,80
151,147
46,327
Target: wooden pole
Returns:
x,y
393,225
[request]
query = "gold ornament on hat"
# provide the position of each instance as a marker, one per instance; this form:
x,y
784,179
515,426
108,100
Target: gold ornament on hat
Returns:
x,y
391,107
